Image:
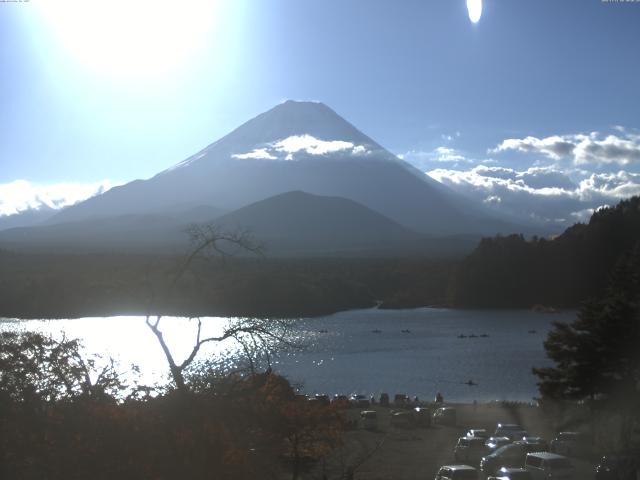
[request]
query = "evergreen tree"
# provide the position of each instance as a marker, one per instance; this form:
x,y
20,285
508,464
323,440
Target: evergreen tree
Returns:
x,y
597,357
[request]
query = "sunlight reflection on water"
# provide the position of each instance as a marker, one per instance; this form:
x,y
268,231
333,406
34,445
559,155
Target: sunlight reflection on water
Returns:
x,y
417,352
128,340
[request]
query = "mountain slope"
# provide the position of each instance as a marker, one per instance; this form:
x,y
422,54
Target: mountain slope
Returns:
x,y
27,218
298,146
298,222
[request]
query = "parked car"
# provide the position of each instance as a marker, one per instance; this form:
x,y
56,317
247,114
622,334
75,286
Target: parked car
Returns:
x,y
384,399
469,450
422,416
494,443
457,472
549,466
323,399
571,444
401,400
360,401
369,419
477,433
535,444
508,456
506,473
511,430
402,418
618,467
445,416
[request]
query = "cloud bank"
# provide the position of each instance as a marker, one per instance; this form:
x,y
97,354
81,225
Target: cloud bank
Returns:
x,y
544,195
551,181
21,195
594,148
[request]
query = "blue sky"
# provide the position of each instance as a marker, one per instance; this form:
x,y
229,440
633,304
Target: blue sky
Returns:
x,y
546,85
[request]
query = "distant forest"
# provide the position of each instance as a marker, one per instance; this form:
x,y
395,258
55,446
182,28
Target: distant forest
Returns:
x,y
512,272
502,272
60,286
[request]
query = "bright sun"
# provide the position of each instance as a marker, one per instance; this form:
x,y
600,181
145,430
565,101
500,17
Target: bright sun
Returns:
x,y
475,10
133,39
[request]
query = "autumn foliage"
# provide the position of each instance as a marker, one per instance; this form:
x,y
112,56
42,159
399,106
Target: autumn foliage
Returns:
x,y
241,426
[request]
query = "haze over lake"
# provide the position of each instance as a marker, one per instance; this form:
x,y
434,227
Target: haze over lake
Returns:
x,y
417,351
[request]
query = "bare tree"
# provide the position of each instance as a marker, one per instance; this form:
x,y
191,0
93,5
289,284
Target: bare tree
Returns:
x,y
264,336
256,337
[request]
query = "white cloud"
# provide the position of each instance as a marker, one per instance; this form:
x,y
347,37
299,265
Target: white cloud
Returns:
x,y
546,195
425,159
611,149
583,149
259,153
444,154
311,145
21,195
360,150
555,147
611,185
286,148
449,137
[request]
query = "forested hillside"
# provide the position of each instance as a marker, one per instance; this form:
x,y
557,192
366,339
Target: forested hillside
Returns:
x,y
514,272
54,286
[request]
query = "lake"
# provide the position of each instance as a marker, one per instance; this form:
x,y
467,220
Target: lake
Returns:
x,y
417,352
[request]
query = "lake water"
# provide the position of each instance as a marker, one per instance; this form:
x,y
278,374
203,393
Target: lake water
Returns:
x,y
416,351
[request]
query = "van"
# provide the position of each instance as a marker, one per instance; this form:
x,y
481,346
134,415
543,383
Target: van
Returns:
x,y
549,466
445,416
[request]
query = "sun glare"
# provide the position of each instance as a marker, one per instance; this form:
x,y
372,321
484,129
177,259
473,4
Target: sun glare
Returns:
x,y
137,39
475,10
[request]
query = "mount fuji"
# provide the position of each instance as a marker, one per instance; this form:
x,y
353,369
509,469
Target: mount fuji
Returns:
x,y
294,147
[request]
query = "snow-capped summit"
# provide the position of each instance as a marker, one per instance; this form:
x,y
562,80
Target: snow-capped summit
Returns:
x,y
303,146
291,131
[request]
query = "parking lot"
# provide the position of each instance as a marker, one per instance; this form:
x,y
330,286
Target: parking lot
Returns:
x,y
401,453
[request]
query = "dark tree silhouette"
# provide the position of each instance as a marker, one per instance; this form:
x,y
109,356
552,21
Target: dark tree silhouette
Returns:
x,y
597,357
37,368
513,272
